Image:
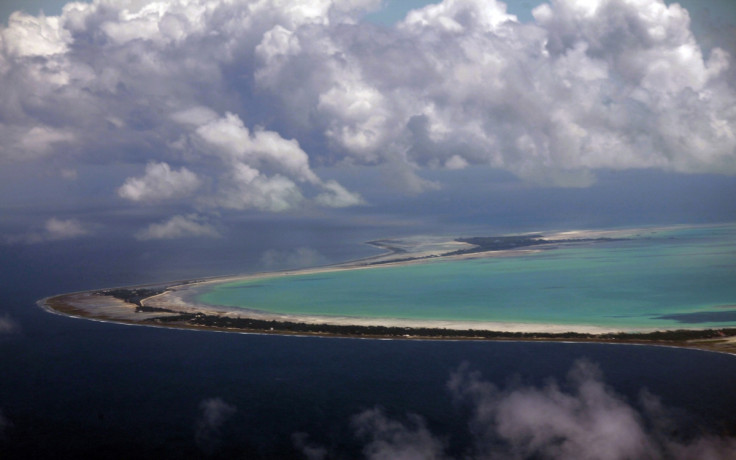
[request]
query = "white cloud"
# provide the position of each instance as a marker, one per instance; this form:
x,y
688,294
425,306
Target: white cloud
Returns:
x,y
53,230
245,187
336,196
260,169
29,36
179,227
214,413
59,229
550,101
36,142
195,116
231,139
454,16
226,90
589,420
159,183
389,439
580,419
456,162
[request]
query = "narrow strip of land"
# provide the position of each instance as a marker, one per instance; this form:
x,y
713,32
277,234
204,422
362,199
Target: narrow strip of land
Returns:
x,y
173,305
100,306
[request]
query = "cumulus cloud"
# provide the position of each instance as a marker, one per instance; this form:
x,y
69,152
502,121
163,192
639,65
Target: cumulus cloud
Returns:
x,y
179,227
336,196
390,439
261,169
582,418
160,182
310,451
588,85
245,187
246,98
63,229
214,413
591,421
40,139
54,229
34,36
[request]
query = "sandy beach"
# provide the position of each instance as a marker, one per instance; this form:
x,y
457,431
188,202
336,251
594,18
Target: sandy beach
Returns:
x,y
176,305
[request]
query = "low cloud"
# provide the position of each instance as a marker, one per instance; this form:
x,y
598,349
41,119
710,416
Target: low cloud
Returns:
x,y
390,439
337,196
310,451
179,227
35,143
59,229
8,326
160,182
582,418
214,413
54,229
588,421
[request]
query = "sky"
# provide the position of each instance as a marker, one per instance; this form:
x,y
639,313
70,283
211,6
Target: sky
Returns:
x,y
182,120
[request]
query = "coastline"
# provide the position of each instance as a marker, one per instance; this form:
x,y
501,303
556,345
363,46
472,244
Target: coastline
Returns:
x,y
712,340
172,305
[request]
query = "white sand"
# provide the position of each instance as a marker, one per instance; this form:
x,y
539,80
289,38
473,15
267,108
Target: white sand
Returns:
x,y
179,297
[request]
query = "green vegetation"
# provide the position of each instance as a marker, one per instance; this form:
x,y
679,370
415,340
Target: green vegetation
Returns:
x,y
147,309
287,327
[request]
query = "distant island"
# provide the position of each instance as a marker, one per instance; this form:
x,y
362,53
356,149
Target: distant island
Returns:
x,y
168,305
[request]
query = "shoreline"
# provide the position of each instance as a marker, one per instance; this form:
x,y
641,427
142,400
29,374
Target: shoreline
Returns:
x,y
631,342
710,340
171,305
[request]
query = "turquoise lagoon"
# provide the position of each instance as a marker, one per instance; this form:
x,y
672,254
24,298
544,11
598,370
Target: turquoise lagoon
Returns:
x,y
675,278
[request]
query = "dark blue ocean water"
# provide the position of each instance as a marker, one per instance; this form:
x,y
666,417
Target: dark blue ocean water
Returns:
x,y
72,387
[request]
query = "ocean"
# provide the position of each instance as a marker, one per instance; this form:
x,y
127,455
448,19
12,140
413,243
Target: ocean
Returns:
x,y
73,388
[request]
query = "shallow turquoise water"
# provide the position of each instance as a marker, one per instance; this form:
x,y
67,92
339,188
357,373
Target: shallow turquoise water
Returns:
x,y
679,278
